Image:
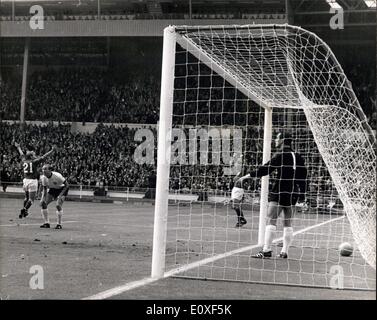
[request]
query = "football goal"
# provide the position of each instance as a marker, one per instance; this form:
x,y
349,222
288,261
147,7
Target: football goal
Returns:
x,y
226,92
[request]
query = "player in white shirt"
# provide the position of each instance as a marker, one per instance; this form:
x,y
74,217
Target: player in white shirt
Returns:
x,y
238,191
237,200
55,187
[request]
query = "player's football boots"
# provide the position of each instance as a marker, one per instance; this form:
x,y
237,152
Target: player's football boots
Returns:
x,y
45,225
241,222
23,213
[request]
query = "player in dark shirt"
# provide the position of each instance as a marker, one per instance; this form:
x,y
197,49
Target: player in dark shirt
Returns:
x,y
30,164
289,186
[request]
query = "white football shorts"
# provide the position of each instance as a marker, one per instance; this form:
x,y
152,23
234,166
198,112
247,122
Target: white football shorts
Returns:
x,y
30,185
237,193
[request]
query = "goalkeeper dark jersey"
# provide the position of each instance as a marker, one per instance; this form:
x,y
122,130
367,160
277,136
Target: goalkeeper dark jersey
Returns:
x,y
290,182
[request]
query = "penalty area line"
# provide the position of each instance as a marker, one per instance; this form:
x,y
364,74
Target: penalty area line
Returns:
x,y
140,283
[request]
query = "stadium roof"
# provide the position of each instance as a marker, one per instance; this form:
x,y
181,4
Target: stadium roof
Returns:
x,y
260,4
323,5
299,10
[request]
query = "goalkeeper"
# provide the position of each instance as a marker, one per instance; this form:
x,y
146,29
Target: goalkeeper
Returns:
x,y
289,187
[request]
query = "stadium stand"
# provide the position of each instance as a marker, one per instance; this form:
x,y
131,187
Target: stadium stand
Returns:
x,y
110,162
93,95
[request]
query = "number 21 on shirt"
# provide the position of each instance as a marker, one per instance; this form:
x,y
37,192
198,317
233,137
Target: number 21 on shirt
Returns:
x,y
28,167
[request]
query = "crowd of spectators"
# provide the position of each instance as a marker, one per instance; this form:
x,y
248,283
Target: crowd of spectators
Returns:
x,y
85,159
82,95
96,95
106,158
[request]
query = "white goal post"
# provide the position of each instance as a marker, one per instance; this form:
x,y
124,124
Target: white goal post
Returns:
x,y
291,75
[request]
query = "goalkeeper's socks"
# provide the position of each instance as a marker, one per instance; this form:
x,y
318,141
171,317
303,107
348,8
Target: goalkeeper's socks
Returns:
x,y
268,237
287,238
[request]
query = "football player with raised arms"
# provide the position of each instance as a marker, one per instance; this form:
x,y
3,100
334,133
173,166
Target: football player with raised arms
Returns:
x,y
30,164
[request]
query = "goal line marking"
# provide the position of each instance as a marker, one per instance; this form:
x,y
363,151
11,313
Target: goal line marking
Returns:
x,y
140,283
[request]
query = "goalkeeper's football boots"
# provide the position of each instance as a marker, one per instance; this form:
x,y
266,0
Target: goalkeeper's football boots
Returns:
x,y
282,255
262,255
58,226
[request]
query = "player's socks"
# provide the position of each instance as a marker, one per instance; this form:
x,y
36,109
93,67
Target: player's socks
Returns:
x,y
59,215
45,215
240,215
268,237
24,211
240,218
28,204
287,238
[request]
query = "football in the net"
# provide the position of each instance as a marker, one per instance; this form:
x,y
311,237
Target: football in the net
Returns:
x,y
346,249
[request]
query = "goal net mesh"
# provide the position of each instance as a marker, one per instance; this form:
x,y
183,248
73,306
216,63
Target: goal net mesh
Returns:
x,y
224,79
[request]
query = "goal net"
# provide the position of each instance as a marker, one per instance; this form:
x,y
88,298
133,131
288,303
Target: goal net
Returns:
x,y
226,92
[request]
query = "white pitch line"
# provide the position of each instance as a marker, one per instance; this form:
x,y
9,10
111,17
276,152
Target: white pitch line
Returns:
x,y
29,224
120,289
318,225
136,284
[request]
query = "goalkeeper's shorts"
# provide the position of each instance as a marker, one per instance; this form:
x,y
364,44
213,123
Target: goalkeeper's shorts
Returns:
x,y
283,198
237,193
